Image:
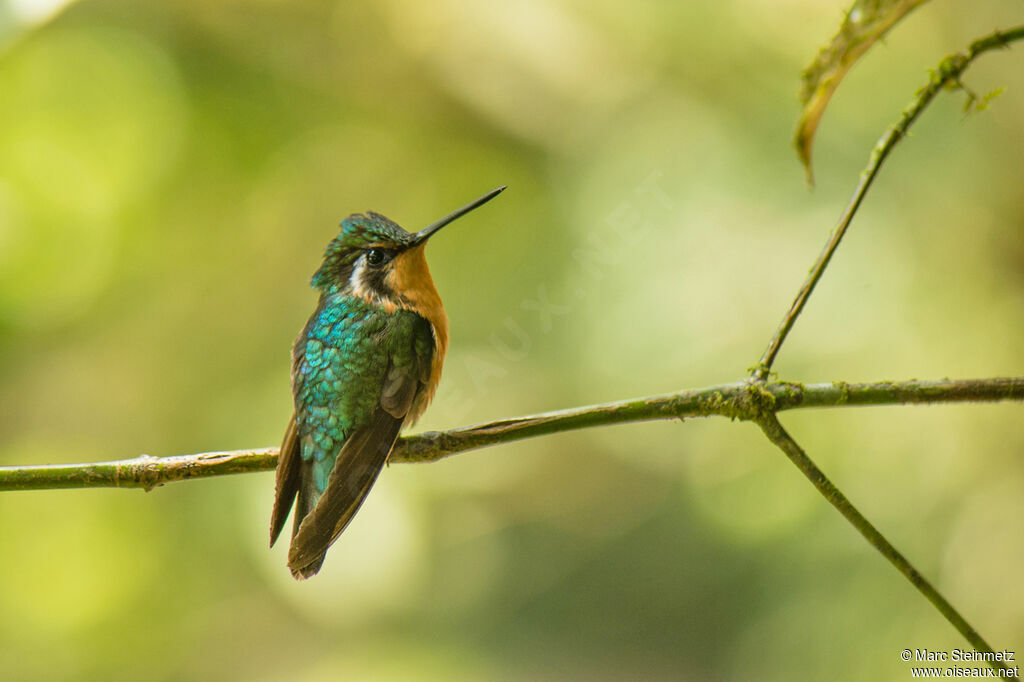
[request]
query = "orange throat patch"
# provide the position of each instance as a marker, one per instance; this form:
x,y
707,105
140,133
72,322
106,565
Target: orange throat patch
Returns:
x,y
410,279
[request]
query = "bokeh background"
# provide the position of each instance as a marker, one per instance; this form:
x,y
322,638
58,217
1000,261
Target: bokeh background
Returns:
x,y
170,173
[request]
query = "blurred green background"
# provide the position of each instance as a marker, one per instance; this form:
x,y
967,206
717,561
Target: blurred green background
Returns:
x,y
170,173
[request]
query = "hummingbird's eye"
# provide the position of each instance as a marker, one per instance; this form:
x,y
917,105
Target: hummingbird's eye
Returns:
x,y
378,257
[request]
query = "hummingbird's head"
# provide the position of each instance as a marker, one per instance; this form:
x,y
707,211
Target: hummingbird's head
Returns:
x,y
367,244
375,259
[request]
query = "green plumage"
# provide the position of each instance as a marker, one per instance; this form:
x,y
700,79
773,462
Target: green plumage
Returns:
x,y
340,365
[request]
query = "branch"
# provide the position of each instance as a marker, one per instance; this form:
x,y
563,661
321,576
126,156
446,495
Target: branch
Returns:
x,y
728,400
778,435
948,72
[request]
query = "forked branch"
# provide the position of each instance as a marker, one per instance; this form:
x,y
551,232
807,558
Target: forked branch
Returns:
x,y
728,400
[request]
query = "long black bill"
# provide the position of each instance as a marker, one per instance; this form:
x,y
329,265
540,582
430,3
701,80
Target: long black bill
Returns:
x,y
426,232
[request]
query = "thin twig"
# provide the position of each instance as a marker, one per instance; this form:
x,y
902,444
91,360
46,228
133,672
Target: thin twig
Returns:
x,y
778,435
948,71
728,400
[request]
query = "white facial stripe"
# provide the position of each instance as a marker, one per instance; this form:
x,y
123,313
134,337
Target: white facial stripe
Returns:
x,y
359,285
355,280
363,290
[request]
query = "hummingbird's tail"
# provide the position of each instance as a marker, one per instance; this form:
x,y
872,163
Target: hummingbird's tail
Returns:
x,y
359,462
294,487
310,569
305,503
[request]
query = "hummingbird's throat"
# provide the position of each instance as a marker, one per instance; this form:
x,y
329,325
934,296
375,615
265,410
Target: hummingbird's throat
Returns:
x,y
410,278
406,284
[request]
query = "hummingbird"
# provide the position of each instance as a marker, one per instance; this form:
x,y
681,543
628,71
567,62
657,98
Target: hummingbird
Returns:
x,y
366,365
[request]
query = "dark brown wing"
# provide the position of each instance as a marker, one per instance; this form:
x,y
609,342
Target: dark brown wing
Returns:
x,y
360,461
289,477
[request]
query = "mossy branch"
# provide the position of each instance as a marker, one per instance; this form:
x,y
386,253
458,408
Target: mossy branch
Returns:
x,y
728,400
